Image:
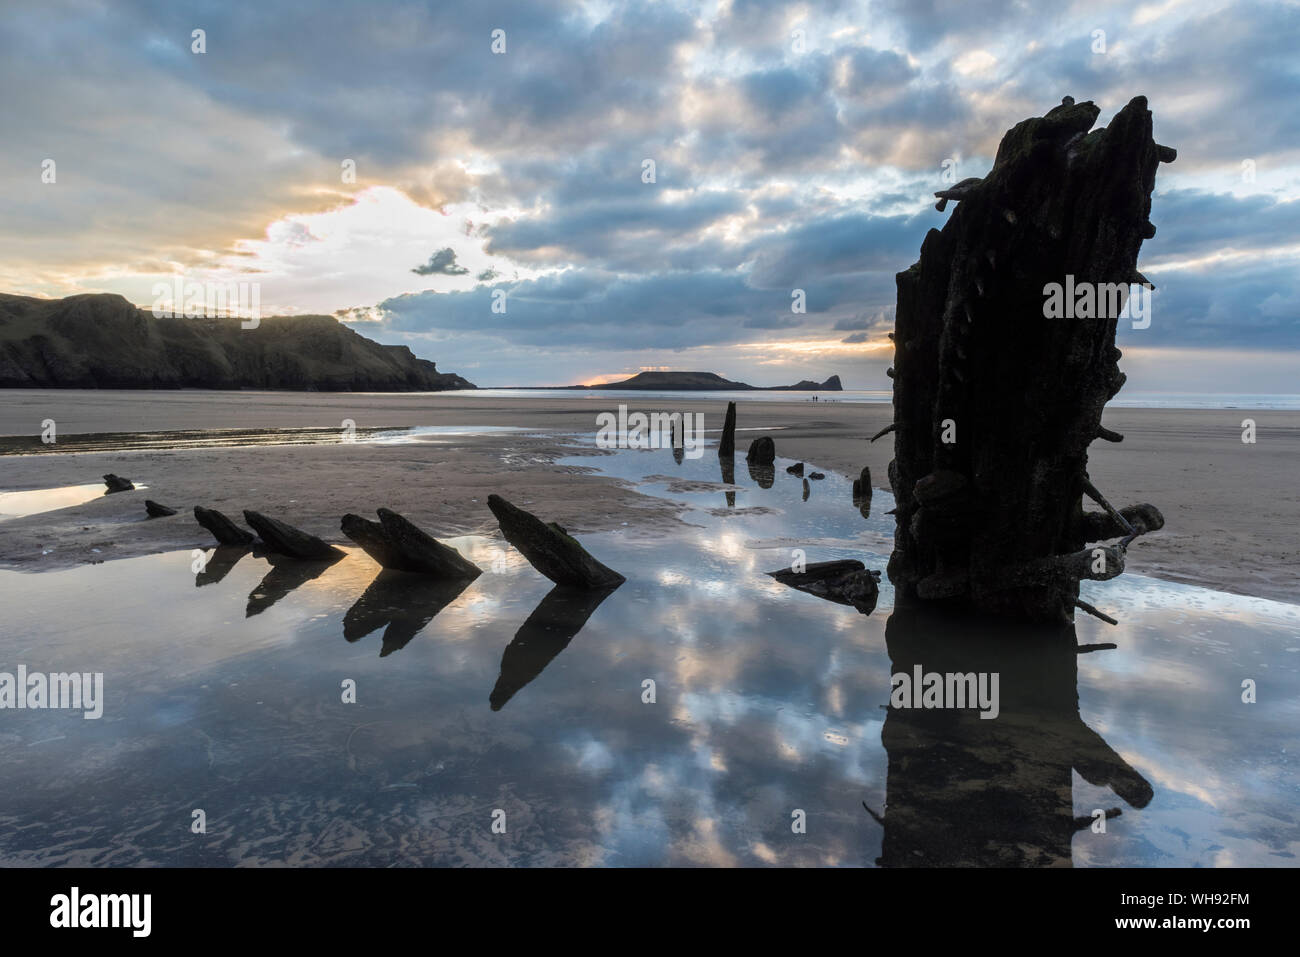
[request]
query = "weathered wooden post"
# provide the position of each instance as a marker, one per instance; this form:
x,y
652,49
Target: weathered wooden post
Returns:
x,y
998,391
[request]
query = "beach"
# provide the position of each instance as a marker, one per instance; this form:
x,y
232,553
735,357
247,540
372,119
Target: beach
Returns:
x,y
1231,508
330,713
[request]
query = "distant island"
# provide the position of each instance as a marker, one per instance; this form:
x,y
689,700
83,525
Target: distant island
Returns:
x,y
705,381
102,341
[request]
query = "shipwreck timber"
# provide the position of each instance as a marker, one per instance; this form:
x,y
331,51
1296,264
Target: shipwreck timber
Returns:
x,y
995,403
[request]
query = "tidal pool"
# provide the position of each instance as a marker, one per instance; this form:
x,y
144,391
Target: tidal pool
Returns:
x,y
35,501
182,439
224,685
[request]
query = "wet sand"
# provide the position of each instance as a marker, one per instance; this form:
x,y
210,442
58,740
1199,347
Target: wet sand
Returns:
x,y
1232,510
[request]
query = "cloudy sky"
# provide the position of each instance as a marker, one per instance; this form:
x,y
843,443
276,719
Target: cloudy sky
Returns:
x,y
795,145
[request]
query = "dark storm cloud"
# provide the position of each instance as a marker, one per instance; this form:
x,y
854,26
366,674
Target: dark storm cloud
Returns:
x,y
865,327
1243,305
774,322
1222,83
847,244
592,309
778,93
586,228
926,22
872,70
775,169
374,80
763,28
441,263
1191,221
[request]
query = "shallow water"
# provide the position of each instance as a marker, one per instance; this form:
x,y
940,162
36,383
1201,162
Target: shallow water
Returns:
x,y
441,433
223,693
1128,399
35,501
181,439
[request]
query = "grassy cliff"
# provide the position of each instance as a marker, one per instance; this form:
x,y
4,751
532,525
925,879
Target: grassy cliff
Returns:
x,y
104,342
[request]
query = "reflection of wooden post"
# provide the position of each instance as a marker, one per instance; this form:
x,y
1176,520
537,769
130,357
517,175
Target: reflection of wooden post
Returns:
x,y
968,791
403,602
862,492
224,558
285,575
764,475
547,632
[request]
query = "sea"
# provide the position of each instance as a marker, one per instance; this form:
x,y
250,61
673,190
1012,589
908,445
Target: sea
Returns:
x,y
1128,400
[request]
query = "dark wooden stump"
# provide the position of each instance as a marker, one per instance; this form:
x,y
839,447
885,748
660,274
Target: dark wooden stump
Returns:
x,y
845,581
223,529
116,483
284,539
398,544
727,444
550,549
995,404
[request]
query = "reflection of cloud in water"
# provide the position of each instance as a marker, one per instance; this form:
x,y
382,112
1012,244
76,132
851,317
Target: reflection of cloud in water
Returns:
x,y
768,700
